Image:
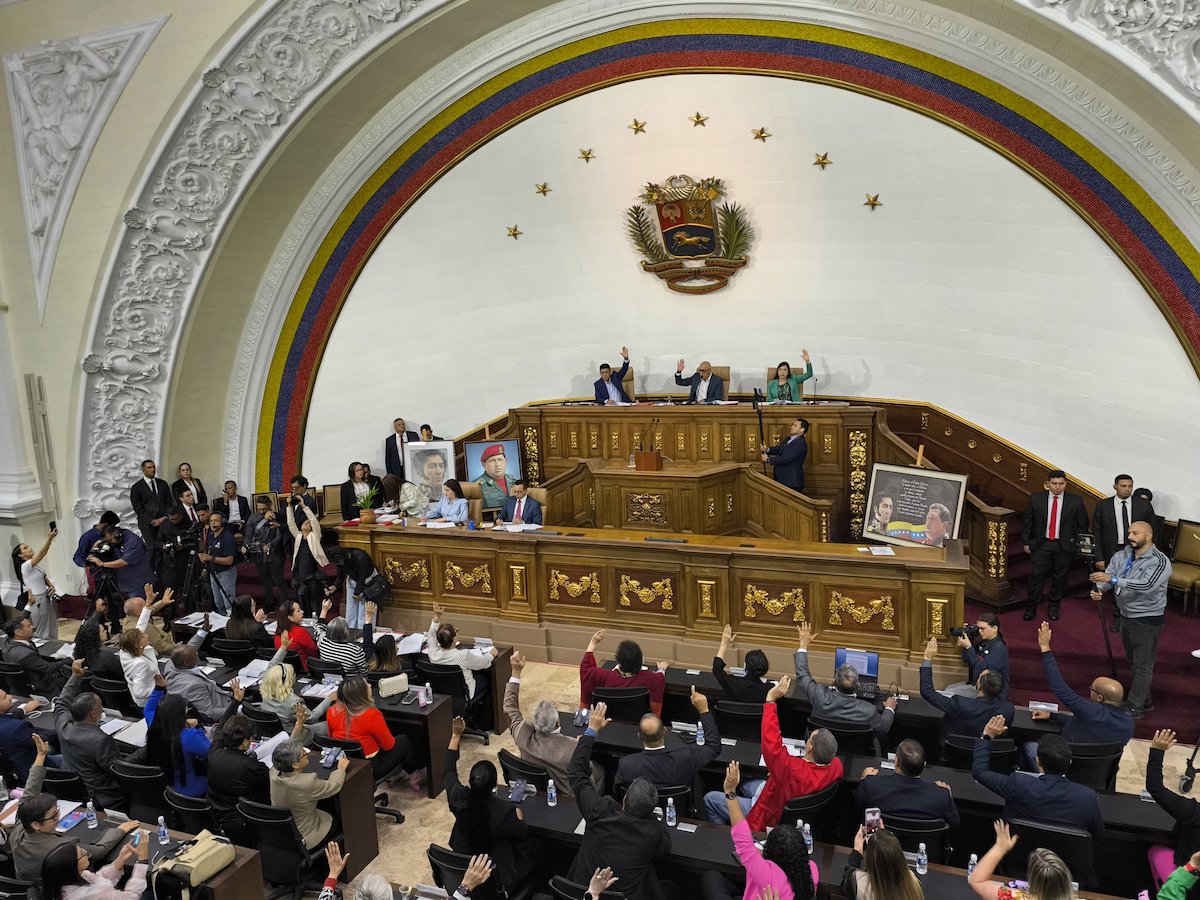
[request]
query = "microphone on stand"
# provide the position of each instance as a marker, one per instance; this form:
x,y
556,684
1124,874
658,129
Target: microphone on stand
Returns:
x,y
814,399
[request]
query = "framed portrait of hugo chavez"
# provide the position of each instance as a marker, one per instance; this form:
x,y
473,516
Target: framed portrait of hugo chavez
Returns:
x,y
494,466
428,464
914,506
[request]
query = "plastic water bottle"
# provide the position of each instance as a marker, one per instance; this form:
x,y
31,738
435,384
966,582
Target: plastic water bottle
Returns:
x,y
551,793
922,860
808,838
91,815
404,521
700,734
672,819
972,863
163,836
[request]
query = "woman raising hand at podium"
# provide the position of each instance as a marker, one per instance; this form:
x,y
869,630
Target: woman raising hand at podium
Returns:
x,y
786,387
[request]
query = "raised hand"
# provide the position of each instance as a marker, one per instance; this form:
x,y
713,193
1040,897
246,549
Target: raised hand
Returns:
x,y
1004,839
326,606
699,701
804,632
679,367
77,667
597,717
728,635
781,690
517,661
437,612
479,871
602,880
931,648
624,353
238,691
595,641
42,748
335,859
804,355
285,640
1044,636
458,726
1164,739
733,776
995,727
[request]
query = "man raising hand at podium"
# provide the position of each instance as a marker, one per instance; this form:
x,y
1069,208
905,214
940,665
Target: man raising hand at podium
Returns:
x,y
705,386
609,391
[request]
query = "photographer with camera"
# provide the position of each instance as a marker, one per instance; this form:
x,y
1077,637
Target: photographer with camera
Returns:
x,y
220,562
123,551
263,546
179,541
87,542
983,650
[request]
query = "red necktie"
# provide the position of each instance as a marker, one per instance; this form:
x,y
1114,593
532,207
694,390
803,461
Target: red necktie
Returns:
x,y
1054,518
520,506
192,513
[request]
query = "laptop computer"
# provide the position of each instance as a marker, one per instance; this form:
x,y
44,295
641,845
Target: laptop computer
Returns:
x,y
866,663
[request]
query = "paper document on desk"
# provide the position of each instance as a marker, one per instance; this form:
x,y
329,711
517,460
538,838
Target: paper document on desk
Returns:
x,y
252,672
724,403
133,734
318,690
439,524
9,815
196,619
66,651
882,551
264,750
112,726
411,644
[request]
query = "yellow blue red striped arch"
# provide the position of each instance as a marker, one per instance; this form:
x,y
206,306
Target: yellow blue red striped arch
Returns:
x,y
1128,219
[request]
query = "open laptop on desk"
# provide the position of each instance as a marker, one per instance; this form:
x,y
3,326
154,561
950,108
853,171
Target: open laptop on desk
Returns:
x,y
866,663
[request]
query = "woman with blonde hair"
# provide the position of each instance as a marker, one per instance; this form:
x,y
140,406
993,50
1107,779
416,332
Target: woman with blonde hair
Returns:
x,y
1048,876
878,870
278,689
139,663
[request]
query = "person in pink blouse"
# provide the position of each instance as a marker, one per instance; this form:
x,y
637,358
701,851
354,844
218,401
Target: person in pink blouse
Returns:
x,y
783,869
628,673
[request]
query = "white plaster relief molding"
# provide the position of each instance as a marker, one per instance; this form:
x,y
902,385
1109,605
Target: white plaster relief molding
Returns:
x,y
1080,105
1160,38
60,94
274,70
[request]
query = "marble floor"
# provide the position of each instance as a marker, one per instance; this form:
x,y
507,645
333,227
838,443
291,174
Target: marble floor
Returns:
x,y
402,848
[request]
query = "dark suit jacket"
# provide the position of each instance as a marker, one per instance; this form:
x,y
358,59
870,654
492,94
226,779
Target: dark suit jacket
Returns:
x,y
602,393
16,741
271,537
531,515
788,460
1072,520
1046,798
738,687
393,462
221,505
45,676
963,715
233,776
612,838
87,750
1106,517
902,795
716,387
179,486
350,505
841,709
680,766
148,504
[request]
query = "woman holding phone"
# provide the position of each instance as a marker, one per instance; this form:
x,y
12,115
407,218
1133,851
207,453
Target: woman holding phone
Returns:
x,y
42,597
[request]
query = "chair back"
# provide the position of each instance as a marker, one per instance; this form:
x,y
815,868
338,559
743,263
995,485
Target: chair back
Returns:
x,y
444,679
292,657
1095,765
191,814
815,809
14,679
564,889
933,833
627,382
143,787
448,870
353,749
1073,846
15,889
115,695
234,652
319,668
739,720
849,740
471,490
65,785
285,859
514,767
272,497
960,749
626,704
684,797
333,499
1187,543
266,723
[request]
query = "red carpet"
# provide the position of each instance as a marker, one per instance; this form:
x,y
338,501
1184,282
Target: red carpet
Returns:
x,y
1078,646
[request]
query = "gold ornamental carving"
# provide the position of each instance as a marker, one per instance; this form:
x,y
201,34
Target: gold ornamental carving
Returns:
x,y
996,457
937,616
680,442
706,596
727,442
575,588
592,498
659,590
824,526
827,444
704,441
949,431
729,503
533,455
594,437
418,569
1023,468
712,507
751,444
517,576
861,613
756,596
649,508
658,439
997,560
574,440
614,443
480,575
553,438
924,421
972,444
858,479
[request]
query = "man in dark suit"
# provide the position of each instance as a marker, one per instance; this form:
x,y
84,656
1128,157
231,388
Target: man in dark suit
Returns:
x,y
1049,525
151,499
678,766
45,676
1110,525
234,508
1049,798
788,457
705,386
86,748
904,793
839,705
625,836
965,715
609,391
264,546
393,448
520,508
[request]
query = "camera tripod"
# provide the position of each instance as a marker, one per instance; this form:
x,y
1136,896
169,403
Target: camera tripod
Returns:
x,y
105,586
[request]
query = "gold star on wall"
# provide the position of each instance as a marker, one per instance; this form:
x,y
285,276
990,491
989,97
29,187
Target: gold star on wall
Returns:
x,y
543,188
823,160
638,127
587,155
698,120
761,134
514,232
872,201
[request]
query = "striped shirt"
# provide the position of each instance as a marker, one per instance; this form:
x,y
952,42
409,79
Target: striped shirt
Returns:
x,y
350,655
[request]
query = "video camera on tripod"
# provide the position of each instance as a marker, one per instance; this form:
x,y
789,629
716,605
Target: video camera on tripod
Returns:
x,y
186,542
103,550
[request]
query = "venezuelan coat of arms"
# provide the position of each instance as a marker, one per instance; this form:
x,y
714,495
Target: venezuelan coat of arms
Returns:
x,y
691,244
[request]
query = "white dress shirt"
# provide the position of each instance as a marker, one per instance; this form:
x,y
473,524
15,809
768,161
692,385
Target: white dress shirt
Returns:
x,y
702,389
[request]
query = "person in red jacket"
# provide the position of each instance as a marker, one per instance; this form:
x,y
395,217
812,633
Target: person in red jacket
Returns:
x,y
628,673
789,776
287,621
354,718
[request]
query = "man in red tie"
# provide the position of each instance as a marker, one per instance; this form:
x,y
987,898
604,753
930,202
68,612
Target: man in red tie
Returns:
x,y
520,508
1048,526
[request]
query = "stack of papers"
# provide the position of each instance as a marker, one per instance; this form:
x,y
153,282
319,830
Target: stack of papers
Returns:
x,y
411,644
133,734
112,726
66,651
264,750
318,690
195,619
438,524
507,526
252,672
